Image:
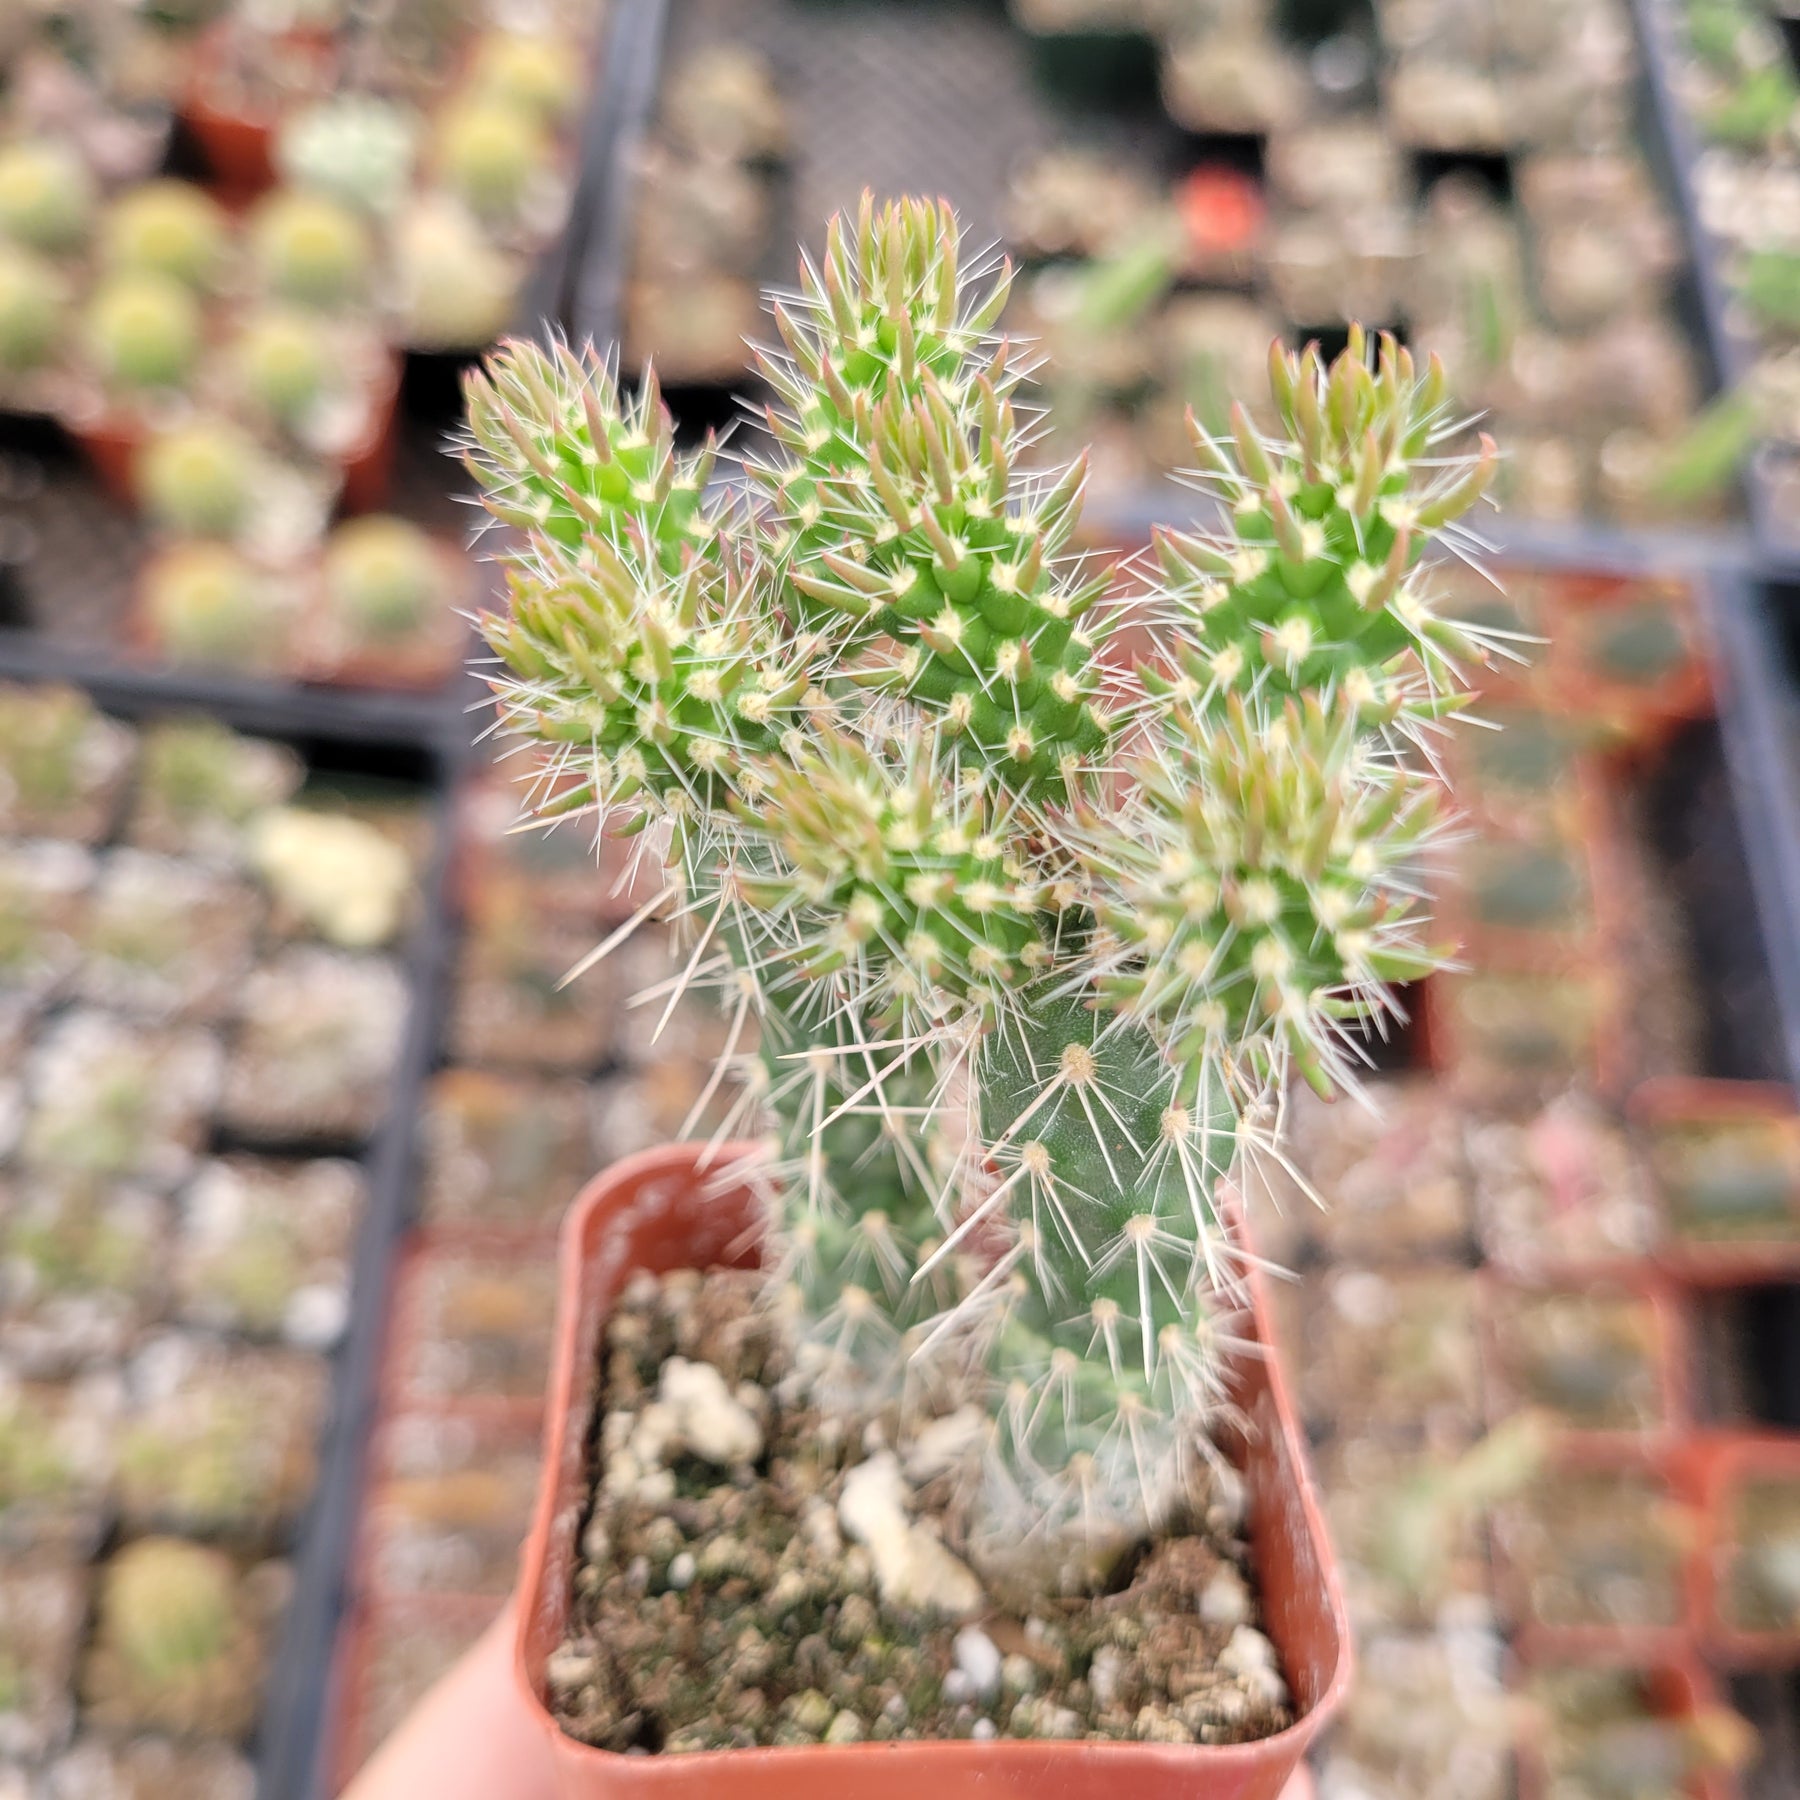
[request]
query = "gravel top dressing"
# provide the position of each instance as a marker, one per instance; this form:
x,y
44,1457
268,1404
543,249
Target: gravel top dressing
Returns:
x,y
755,1571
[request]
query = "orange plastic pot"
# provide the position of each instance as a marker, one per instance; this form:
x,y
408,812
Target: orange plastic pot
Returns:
x,y
111,444
672,1208
369,465
1678,1688
1640,715
1749,1259
1660,1468
237,139
1503,1294
1721,1467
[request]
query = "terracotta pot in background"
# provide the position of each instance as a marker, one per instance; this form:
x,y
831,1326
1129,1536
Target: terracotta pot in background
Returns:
x,y
1666,1508
1738,1260
237,139
1642,713
111,444
1586,828
427,662
1503,1295
1680,1688
669,1209
1721,1464
368,466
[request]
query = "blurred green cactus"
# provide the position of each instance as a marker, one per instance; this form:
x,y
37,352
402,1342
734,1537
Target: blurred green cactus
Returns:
x,y
173,1651
1036,881
33,299
168,1607
457,291
311,249
383,577
46,196
357,148
534,73
284,360
168,228
489,152
198,480
206,603
143,331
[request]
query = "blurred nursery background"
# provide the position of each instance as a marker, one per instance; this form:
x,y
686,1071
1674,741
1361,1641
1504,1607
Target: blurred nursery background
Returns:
x,y
292,1095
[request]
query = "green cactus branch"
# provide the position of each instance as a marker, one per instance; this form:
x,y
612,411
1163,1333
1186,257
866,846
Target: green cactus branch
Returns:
x,y
1019,937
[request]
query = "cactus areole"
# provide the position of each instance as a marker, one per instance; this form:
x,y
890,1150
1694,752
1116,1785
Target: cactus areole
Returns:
x,y
1026,881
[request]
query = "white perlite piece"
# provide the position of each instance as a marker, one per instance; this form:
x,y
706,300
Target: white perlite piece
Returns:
x,y
1225,1600
1251,1657
693,1414
978,1657
912,1568
709,1419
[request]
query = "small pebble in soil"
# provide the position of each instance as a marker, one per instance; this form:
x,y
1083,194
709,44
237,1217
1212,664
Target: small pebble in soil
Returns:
x,y
755,1571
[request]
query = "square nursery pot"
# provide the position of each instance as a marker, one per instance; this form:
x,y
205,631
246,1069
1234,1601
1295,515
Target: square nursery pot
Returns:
x,y
236,135
1592,1560
1746,1596
1603,1357
1724,1158
1628,655
1678,1693
1508,1038
660,1211
1541,893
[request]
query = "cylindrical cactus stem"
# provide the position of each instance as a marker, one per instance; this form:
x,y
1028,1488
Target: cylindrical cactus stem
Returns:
x,y
851,1197
1113,1156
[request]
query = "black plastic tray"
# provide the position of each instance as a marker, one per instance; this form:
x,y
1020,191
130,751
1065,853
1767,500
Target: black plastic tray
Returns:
x,y
359,738
1775,549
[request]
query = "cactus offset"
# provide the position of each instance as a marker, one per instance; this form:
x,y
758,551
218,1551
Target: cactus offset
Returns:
x,y
1031,931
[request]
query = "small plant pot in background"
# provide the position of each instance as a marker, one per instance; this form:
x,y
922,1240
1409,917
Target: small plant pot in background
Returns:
x,y
368,465
1591,1561
500,851
1543,893
1559,1196
662,1210
1746,1567
1724,1157
1699,1746
1506,1037
237,139
448,1501
1627,655
472,1327
111,444
1600,1357
425,659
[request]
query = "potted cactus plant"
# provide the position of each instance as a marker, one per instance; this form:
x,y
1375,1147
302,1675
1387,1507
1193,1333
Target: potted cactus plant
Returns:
x,y
181,1644
142,336
204,602
46,196
388,612
1032,932
321,389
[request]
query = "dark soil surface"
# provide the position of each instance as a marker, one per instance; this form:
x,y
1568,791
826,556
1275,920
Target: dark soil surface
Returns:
x,y
719,1605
